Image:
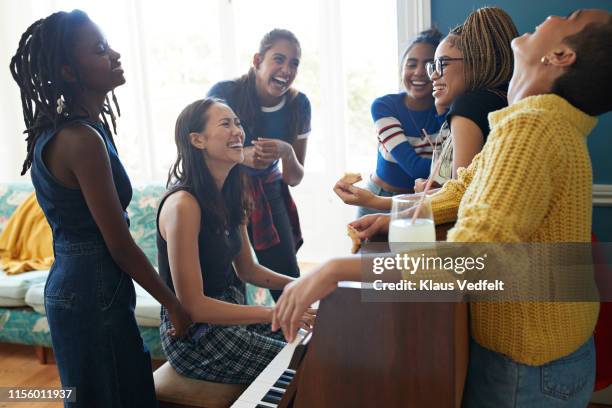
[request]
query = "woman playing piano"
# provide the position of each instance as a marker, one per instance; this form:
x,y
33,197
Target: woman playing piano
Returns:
x,y
203,244
538,189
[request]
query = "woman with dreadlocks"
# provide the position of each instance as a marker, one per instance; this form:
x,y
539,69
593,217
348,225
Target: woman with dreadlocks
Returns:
x,y
65,69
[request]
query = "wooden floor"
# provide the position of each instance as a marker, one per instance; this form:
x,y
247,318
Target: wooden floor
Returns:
x,y
19,367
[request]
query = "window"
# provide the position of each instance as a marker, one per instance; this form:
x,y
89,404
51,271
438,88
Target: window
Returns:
x,y
173,52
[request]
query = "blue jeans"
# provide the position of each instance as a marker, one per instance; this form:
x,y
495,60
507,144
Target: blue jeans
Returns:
x,y
495,380
379,191
90,308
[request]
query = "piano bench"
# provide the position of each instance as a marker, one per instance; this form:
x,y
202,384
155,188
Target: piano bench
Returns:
x,y
176,391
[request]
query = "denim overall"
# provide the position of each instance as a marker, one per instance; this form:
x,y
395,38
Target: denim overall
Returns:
x,y
89,301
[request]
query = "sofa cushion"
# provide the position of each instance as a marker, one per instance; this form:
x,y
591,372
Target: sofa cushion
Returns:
x,y
24,326
35,297
143,212
147,308
13,288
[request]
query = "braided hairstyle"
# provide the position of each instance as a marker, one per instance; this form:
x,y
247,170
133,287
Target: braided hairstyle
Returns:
x,y
44,48
484,39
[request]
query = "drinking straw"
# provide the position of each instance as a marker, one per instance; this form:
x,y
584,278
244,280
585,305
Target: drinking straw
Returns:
x,y
428,184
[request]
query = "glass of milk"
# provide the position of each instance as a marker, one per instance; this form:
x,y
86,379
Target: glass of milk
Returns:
x,y
404,228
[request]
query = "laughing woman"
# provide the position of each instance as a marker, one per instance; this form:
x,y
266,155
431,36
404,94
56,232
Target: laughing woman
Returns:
x,y
276,120
202,245
532,182
470,75
65,70
404,155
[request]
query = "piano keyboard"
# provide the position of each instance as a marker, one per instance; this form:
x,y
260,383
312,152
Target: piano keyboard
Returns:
x,y
268,388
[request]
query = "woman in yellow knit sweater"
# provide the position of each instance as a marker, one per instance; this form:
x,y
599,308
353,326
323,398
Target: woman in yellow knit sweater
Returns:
x,y
531,183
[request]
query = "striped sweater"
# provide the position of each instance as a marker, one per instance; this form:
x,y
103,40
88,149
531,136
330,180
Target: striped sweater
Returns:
x,y
403,154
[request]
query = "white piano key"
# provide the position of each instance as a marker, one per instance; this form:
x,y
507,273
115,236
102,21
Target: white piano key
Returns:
x,y
243,404
268,377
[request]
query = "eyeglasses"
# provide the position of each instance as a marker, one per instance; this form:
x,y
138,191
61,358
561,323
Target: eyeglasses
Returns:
x,y
437,66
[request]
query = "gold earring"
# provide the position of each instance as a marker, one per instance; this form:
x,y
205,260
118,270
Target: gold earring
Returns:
x,y
544,60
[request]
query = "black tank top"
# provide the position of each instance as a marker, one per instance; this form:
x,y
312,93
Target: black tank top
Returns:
x,y
217,250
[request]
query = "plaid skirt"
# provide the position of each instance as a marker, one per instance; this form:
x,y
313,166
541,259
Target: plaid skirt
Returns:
x,y
226,354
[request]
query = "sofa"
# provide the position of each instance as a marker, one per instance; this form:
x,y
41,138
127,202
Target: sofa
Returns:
x,y
22,314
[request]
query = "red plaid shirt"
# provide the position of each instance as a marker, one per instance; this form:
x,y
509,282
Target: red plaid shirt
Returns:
x,y
262,225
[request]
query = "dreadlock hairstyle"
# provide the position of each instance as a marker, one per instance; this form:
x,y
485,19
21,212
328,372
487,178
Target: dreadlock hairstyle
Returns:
x,y
222,209
248,106
44,48
484,39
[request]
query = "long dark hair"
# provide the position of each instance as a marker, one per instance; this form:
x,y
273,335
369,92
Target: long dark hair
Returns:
x,y
44,48
220,209
248,107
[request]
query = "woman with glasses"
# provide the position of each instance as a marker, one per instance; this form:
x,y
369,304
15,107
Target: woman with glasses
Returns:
x,y
532,182
404,153
470,75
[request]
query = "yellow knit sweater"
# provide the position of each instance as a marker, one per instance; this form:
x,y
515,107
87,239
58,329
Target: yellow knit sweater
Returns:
x,y
531,182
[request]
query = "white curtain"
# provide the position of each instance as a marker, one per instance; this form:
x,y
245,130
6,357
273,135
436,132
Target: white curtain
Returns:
x,y
174,51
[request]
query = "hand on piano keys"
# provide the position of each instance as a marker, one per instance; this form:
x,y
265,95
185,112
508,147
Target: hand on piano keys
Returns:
x,y
300,294
294,305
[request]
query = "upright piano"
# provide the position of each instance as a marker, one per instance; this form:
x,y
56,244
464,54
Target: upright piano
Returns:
x,y
367,354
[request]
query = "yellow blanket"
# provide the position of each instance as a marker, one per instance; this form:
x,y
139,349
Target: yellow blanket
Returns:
x,y
26,242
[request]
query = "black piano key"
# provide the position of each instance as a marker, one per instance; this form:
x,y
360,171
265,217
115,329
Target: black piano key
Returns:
x,y
282,384
261,406
285,378
276,393
271,399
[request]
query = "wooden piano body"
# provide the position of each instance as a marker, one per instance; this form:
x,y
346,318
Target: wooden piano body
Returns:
x,y
371,354
398,354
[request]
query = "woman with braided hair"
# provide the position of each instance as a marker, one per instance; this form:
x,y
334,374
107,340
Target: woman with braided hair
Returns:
x,y
65,69
470,75
532,183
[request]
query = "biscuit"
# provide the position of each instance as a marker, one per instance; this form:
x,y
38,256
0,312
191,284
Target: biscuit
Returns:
x,y
353,233
351,178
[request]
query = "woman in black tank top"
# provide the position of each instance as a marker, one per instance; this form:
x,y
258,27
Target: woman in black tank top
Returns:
x,y
204,253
